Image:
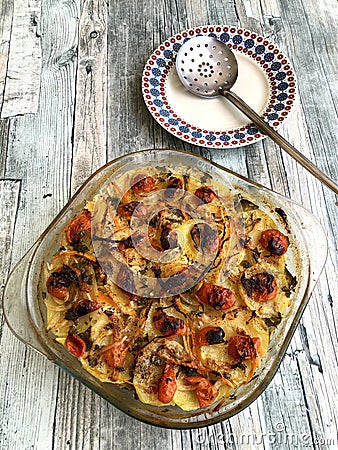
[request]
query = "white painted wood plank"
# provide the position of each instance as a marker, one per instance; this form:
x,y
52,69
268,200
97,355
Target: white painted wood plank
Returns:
x,y
9,198
40,145
26,397
22,84
21,384
6,13
89,150
39,152
131,40
285,178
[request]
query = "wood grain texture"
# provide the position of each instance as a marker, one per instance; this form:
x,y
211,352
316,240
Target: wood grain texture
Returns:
x,y
6,15
21,383
39,153
9,199
89,148
91,109
21,94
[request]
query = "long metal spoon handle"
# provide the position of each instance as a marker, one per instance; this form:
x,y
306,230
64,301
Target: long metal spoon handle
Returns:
x,y
292,151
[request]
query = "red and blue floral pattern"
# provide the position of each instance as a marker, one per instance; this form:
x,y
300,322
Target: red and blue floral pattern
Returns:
x,y
277,68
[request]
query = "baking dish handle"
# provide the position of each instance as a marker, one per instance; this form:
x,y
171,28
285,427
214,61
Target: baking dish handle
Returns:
x,y
14,304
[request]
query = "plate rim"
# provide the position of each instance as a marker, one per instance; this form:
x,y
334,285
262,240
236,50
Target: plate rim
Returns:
x,y
162,61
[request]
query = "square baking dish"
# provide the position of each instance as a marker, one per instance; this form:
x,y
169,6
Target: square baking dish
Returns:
x,y
26,315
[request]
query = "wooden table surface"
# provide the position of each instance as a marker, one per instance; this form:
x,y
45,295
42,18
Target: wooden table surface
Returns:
x,y
70,99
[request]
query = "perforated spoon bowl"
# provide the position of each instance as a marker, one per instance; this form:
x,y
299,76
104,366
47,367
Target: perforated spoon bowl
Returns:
x,y
208,68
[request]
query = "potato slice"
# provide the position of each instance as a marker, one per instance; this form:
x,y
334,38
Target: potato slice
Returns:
x,y
186,399
269,308
216,356
149,368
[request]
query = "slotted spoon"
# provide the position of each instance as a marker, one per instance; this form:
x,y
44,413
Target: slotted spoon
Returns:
x,y
207,68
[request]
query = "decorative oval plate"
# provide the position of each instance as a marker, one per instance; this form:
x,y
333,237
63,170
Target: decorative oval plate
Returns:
x,y
266,81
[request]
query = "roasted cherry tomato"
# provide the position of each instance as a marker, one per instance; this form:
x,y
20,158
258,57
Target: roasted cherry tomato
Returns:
x,y
261,286
81,308
257,343
59,281
274,241
205,391
169,326
131,241
75,345
115,356
168,237
127,210
174,183
209,336
78,226
209,240
205,238
241,347
125,280
205,194
176,283
143,183
218,297
167,385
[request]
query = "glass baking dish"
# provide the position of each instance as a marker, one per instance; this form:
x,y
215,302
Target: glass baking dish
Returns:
x,y
25,311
